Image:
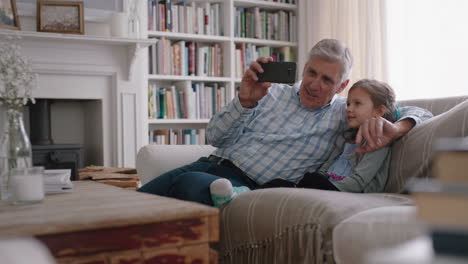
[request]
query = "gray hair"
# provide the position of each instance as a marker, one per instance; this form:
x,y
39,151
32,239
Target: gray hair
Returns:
x,y
334,50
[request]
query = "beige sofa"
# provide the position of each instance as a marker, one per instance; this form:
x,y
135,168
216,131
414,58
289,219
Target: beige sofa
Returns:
x,y
286,225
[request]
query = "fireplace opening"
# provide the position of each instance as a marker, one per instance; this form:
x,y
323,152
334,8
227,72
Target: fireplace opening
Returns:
x,y
64,134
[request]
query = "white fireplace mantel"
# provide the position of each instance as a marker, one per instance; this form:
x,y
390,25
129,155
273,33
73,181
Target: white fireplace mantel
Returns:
x,y
132,45
105,69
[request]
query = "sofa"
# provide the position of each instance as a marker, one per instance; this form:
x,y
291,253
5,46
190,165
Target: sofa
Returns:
x,y
292,225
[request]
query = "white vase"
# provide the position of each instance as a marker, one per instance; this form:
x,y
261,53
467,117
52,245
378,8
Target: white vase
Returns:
x,y
119,25
133,20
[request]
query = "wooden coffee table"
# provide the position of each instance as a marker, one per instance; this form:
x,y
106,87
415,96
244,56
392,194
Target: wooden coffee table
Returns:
x,y
102,224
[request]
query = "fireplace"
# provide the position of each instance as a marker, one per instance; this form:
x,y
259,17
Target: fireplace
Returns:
x,y
59,156
45,152
105,76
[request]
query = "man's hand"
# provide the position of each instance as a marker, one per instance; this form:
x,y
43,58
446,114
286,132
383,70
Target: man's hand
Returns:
x,y
251,91
379,132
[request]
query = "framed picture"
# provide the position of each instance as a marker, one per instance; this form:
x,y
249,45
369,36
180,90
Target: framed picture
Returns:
x,y
60,17
9,15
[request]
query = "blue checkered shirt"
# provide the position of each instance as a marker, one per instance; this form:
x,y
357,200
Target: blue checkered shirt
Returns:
x,y
281,138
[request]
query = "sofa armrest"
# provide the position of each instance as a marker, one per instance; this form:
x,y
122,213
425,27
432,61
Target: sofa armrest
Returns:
x,y
411,155
154,160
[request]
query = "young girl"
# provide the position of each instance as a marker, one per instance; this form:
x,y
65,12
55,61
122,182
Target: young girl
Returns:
x,y
345,170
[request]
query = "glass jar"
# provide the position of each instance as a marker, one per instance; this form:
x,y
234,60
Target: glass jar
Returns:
x,y
15,149
27,185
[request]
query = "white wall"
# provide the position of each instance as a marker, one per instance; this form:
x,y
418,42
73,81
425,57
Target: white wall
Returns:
x,y
427,45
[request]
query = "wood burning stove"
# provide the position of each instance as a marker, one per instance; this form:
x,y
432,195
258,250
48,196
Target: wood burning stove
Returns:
x,y
45,152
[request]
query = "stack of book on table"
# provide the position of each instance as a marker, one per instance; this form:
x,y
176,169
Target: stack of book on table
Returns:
x,y
442,201
57,181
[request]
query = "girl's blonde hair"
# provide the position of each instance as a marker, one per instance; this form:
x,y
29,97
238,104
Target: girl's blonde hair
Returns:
x,y
381,94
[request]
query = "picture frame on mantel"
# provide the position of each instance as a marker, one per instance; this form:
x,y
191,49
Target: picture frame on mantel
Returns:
x,y
9,15
60,17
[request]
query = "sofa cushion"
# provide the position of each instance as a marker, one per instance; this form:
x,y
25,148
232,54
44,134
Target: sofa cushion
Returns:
x,y
373,229
289,225
154,160
411,154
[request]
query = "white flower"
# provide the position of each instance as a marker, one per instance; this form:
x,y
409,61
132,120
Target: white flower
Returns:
x,y
17,80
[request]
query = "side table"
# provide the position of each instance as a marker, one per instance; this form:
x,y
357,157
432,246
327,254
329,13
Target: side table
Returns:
x,y
102,224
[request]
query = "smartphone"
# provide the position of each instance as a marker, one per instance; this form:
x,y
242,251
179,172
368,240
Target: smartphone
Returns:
x,y
278,72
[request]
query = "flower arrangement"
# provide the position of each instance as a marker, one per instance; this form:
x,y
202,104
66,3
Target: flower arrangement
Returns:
x,y
17,79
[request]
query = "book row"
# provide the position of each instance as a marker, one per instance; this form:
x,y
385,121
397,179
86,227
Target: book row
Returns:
x,y
185,58
246,53
180,16
177,136
262,24
186,100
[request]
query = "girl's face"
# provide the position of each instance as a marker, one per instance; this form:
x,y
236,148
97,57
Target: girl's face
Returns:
x,y
360,108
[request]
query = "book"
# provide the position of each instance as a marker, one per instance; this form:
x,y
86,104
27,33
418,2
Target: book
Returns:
x,y
191,58
168,15
175,59
202,136
174,103
451,166
57,181
450,160
207,19
154,59
189,106
442,209
162,104
151,98
180,104
162,136
187,135
450,242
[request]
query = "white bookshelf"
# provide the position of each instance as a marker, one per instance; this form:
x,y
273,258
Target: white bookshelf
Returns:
x,y
264,42
159,77
228,42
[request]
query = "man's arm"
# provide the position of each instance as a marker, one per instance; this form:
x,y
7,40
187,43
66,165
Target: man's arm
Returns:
x,y
379,132
226,127
251,91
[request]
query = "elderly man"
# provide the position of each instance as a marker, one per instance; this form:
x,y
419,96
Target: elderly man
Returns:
x,y
273,131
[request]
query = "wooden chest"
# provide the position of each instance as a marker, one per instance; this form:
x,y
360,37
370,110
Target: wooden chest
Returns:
x,y
102,224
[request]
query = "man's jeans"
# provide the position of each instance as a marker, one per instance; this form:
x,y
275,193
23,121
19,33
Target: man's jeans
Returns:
x,y
192,182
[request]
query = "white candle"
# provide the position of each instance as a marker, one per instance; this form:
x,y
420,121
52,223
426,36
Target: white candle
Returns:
x,y
119,25
27,185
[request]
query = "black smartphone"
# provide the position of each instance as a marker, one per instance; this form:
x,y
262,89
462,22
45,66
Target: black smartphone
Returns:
x,y
278,72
